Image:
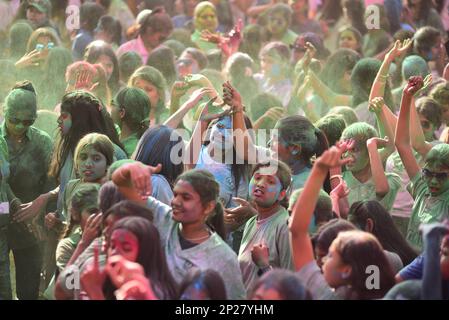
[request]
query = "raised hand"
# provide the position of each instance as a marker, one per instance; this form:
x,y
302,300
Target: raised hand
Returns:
x,y
84,80
399,49
341,190
93,277
376,105
235,217
231,96
197,95
140,177
331,158
33,58
414,84
121,270
427,82
179,89
208,36
377,142
91,229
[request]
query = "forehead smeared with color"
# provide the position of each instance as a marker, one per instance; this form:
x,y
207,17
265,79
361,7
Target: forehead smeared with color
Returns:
x,y
202,6
359,131
438,157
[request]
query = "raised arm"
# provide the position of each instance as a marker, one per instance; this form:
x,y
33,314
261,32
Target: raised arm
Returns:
x,y
402,136
302,250
331,98
247,149
176,118
193,148
377,169
399,49
381,111
134,180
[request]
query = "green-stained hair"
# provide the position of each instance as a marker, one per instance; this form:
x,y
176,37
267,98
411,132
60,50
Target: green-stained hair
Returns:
x,y
20,100
333,126
136,105
360,131
438,156
298,130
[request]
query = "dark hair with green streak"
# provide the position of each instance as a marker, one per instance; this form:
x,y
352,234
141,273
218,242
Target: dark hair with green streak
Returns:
x,y
333,126
136,104
298,130
204,183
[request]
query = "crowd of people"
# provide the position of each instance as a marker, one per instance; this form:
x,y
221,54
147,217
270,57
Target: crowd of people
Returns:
x,y
241,149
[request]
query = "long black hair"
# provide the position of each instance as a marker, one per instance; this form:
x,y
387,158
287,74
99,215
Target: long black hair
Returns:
x,y
151,255
239,170
88,115
156,146
383,228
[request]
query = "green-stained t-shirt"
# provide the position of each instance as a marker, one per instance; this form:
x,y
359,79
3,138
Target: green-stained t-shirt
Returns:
x,y
359,191
289,37
202,44
130,143
273,232
427,209
29,164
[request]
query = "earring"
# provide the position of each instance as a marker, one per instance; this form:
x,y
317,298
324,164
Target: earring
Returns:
x,y
295,152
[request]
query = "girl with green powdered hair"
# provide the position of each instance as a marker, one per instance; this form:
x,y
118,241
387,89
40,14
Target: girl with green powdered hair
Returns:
x,y
130,110
365,176
430,184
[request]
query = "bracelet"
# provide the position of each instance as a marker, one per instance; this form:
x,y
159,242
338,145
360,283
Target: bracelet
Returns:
x,y
339,176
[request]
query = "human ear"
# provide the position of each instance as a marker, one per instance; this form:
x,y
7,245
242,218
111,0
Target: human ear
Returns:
x,y
282,195
122,113
210,206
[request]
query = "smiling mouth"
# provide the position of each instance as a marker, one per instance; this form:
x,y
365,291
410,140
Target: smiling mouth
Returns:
x,y
88,173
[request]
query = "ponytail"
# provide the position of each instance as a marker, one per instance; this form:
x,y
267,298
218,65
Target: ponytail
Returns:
x,y
215,220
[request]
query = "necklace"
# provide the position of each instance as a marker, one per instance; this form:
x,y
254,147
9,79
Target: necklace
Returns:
x,y
194,239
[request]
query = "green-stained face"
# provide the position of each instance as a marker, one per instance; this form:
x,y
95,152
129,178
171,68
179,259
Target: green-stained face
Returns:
x,y
92,164
18,122
437,179
277,24
360,157
206,20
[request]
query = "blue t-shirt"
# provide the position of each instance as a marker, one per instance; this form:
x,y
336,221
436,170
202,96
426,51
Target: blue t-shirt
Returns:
x,y
414,270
